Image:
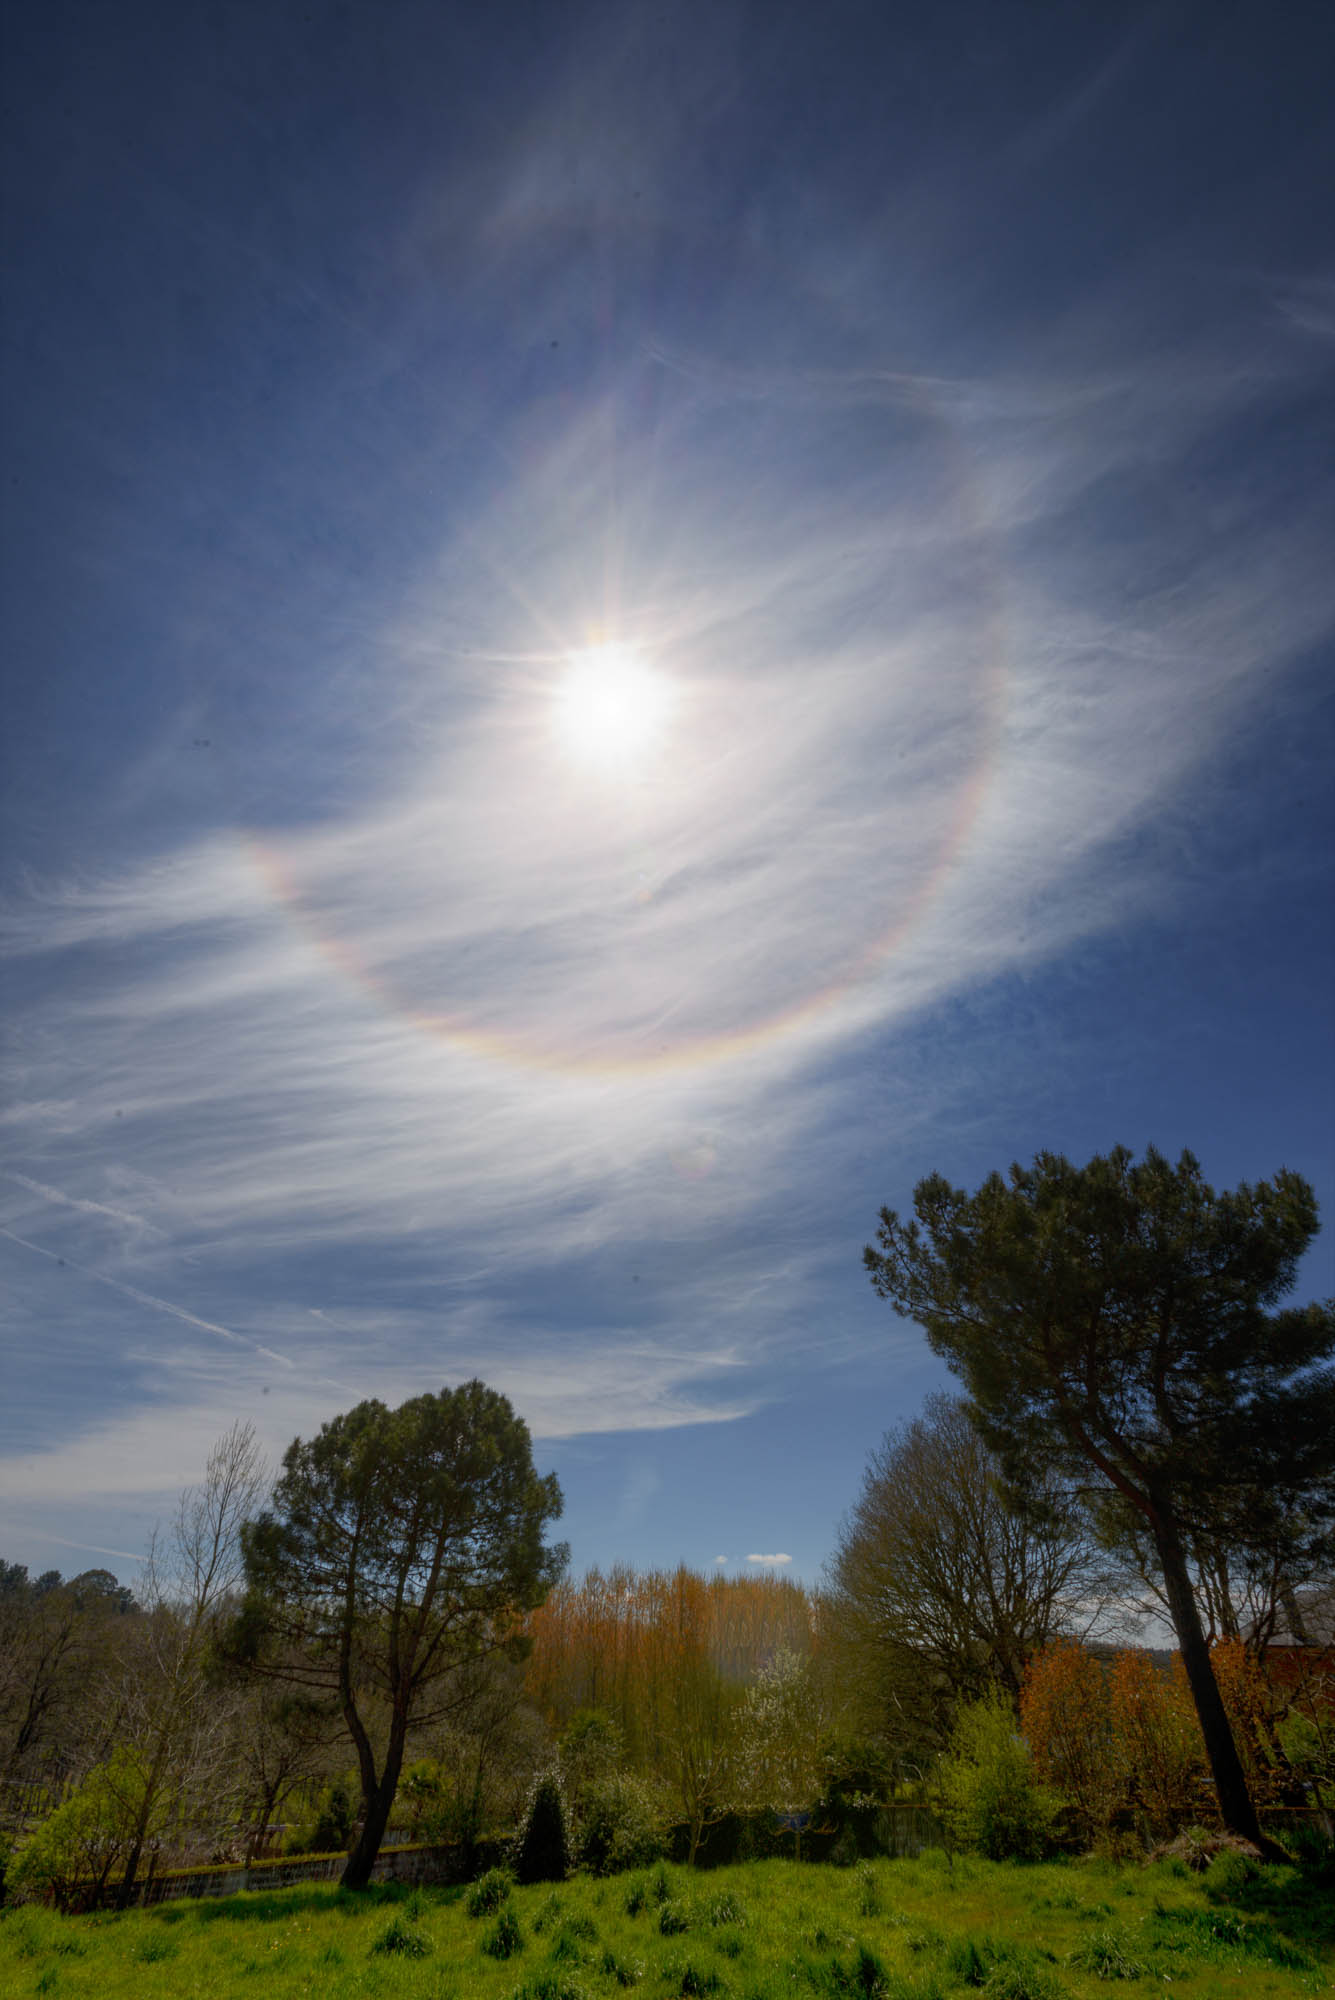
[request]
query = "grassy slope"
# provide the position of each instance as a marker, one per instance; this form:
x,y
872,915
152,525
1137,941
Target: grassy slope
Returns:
x,y
922,1928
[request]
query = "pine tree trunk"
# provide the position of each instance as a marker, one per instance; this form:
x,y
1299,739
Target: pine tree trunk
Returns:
x,y
1230,1780
379,1804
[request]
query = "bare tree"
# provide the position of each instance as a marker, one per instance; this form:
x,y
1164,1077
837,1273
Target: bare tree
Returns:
x,y
173,1714
938,1589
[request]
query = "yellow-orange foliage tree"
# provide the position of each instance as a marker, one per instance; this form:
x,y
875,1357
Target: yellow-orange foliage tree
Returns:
x,y
1066,1717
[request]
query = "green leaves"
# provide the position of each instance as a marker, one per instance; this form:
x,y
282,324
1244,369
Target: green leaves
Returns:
x,y
400,1544
1118,1318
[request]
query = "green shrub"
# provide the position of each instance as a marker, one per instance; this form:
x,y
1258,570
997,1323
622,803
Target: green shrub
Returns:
x,y
1312,1849
551,1986
994,1803
1108,1956
689,1980
625,1972
967,1962
726,1910
1228,1873
542,1851
570,1944
1021,1979
79,1847
548,1913
401,1937
867,1975
329,1828
489,1892
505,1937
620,1825
155,1948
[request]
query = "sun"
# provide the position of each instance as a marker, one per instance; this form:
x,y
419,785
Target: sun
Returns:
x,y
611,708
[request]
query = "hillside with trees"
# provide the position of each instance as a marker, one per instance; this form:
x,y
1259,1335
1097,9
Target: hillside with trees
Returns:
x,y
381,1645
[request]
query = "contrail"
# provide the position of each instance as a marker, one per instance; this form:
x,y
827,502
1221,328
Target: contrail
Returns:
x,y
74,1201
93,1548
148,1299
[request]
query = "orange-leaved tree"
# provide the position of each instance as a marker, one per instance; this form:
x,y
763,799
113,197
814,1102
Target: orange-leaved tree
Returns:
x,y
1066,1717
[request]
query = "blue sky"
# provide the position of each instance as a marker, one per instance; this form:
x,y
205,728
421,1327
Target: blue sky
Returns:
x,y
915,427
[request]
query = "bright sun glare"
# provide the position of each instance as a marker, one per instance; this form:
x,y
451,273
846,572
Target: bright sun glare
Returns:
x,y
611,707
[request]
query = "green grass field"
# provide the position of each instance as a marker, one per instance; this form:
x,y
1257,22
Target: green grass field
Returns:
x,y
919,1928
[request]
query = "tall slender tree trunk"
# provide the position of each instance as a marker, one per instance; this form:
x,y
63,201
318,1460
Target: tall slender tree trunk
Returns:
x,y
1230,1780
379,1800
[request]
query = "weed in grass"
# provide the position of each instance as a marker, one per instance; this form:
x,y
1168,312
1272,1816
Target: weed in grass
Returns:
x,y
684,1976
1222,1937
730,1945
548,1913
867,1975
967,1962
1108,1956
155,1948
869,1891
505,1937
1001,1971
673,1918
661,1884
626,1972
726,1910
919,1938
331,1957
551,1986
46,1935
566,1948
637,1898
47,1982
400,1937
1021,1979
489,1892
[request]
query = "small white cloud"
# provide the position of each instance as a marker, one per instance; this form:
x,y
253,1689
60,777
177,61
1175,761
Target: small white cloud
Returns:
x,y
719,1560
770,1561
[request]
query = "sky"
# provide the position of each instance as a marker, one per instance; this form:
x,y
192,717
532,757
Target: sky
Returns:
x,y
626,628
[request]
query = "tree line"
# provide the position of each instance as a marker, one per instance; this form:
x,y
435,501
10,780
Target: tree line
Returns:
x,y
1143,1425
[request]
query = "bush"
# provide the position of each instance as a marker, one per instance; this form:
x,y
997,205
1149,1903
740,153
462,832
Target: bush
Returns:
x,y
999,1970
329,1829
72,1855
489,1892
1229,1872
542,1852
619,1824
505,1938
626,1972
993,1801
1021,1979
401,1937
1108,1956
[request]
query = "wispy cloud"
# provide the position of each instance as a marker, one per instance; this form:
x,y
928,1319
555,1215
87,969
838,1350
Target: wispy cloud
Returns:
x,y
416,1050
